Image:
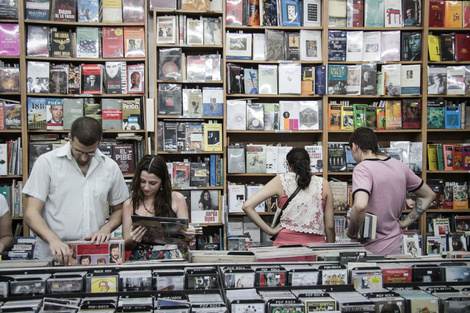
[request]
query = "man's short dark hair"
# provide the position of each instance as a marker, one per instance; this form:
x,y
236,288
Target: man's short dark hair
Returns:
x,y
365,139
87,130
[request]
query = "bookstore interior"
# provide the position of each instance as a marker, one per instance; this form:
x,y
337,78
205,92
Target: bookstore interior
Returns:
x,y
223,112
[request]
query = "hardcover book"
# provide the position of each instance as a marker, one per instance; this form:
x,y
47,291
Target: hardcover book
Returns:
x,y
73,109
133,11
123,154
36,113
111,114
113,42
92,79
88,42
411,113
134,42
111,11
115,78
61,44
393,114
136,78
54,114
337,79
337,45
64,11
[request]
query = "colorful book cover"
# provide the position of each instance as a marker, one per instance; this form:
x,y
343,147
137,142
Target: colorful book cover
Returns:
x,y
436,13
54,114
453,14
234,12
88,11
134,42
113,42
393,114
9,39
411,113
334,112
291,13
36,113
337,79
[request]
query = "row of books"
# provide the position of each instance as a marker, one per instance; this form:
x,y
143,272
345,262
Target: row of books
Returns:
x,y
449,223
242,227
14,197
434,245
448,114
262,158
11,159
90,79
205,172
187,5
60,113
449,80
282,116
272,45
444,191
86,42
189,136
175,100
380,46
449,14
87,11
448,157
448,46
173,64
184,30
388,114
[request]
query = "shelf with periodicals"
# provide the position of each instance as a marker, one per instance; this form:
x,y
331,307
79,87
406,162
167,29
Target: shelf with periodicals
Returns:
x,y
189,107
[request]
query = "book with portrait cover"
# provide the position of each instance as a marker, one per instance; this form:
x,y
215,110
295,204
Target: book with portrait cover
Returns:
x,y
136,78
38,76
88,42
123,154
113,42
334,112
61,44
169,63
9,39
205,206
64,11
436,13
54,114
393,114
115,78
134,42
235,78
411,113
92,79
36,113
9,10
337,79
74,79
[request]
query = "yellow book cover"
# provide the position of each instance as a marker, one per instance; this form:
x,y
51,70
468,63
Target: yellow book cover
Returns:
x,y
453,13
432,157
334,111
434,44
212,137
347,118
195,5
393,114
460,196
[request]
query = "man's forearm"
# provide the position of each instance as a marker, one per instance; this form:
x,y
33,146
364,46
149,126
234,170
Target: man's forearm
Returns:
x,y
114,221
355,221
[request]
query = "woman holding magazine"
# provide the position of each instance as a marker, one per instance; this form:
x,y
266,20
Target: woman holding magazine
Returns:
x,y
308,217
151,195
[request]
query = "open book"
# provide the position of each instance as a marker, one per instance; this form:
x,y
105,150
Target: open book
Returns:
x,y
161,230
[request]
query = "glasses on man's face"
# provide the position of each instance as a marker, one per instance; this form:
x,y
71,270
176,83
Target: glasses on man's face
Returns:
x,y
80,153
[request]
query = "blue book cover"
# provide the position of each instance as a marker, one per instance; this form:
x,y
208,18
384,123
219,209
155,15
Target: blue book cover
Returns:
x,y
37,10
291,13
36,113
337,76
336,45
88,11
212,101
320,79
251,80
452,117
213,169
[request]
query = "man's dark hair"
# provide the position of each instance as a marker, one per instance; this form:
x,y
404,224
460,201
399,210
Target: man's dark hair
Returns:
x,y
83,257
87,130
365,139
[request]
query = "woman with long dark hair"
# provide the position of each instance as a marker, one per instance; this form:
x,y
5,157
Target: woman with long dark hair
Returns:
x,y
151,195
309,217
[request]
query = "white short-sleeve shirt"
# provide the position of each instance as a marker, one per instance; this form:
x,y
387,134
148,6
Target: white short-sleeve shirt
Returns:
x,y
4,209
75,205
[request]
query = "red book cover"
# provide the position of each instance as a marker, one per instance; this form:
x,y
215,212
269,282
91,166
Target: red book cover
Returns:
x,y
123,154
458,151
411,114
234,12
91,79
462,47
113,42
448,157
396,275
466,14
466,157
437,11
134,42
358,13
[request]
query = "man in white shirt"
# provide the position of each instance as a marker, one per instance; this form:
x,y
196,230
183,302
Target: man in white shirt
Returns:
x,y
6,234
68,190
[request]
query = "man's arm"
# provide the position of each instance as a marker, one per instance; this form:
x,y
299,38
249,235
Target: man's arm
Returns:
x,y
358,213
104,233
6,235
33,218
425,196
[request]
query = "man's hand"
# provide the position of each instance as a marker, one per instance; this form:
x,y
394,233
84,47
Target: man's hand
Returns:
x,y
138,233
60,252
99,237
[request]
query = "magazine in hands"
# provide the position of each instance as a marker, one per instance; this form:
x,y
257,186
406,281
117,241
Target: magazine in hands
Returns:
x,y
161,230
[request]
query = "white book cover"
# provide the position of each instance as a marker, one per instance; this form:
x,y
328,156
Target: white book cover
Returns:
x,y
267,79
393,15
311,13
282,166
205,210
390,46
416,156
251,190
310,45
353,80
235,224
238,46
216,5
411,245
354,45
411,79
455,80
437,80
259,46
405,147
236,115
3,159
290,78
256,158
271,159
236,198
392,79
309,117
251,228
371,46
316,158
289,115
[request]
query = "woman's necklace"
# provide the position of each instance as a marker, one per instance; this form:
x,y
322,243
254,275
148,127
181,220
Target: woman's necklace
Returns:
x,y
150,212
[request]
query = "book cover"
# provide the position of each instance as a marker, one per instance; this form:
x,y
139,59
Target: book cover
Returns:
x,y
73,109
134,42
113,42
289,115
334,112
54,114
88,42
390,46
455,80
195,136
136,78
310,45
37,43
234,12
9,10
369,79
411,79
268,78
374,13
236,115
462,47
74,79
132,114
192,102
466,157
354,45
359,115
292,40
255,158
169,63
307,85
37,10
347,117
61,44
321,75
9,79
371,46
411,46
88,11
411,113
452,116
115,78
412,13
453,14
133,11
92,79
9,39
393,114
437,80
212,137
290,77
393,13
64,11
311,10
236,197
436,13
457,157
434,47
195,31
309,115
58,74
337,13
435,115
254,116
111,114
371,117
269,13
38,76
123,154
447,47
291,13
205,206
337,79
36,113
111,11
336,45
212,100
